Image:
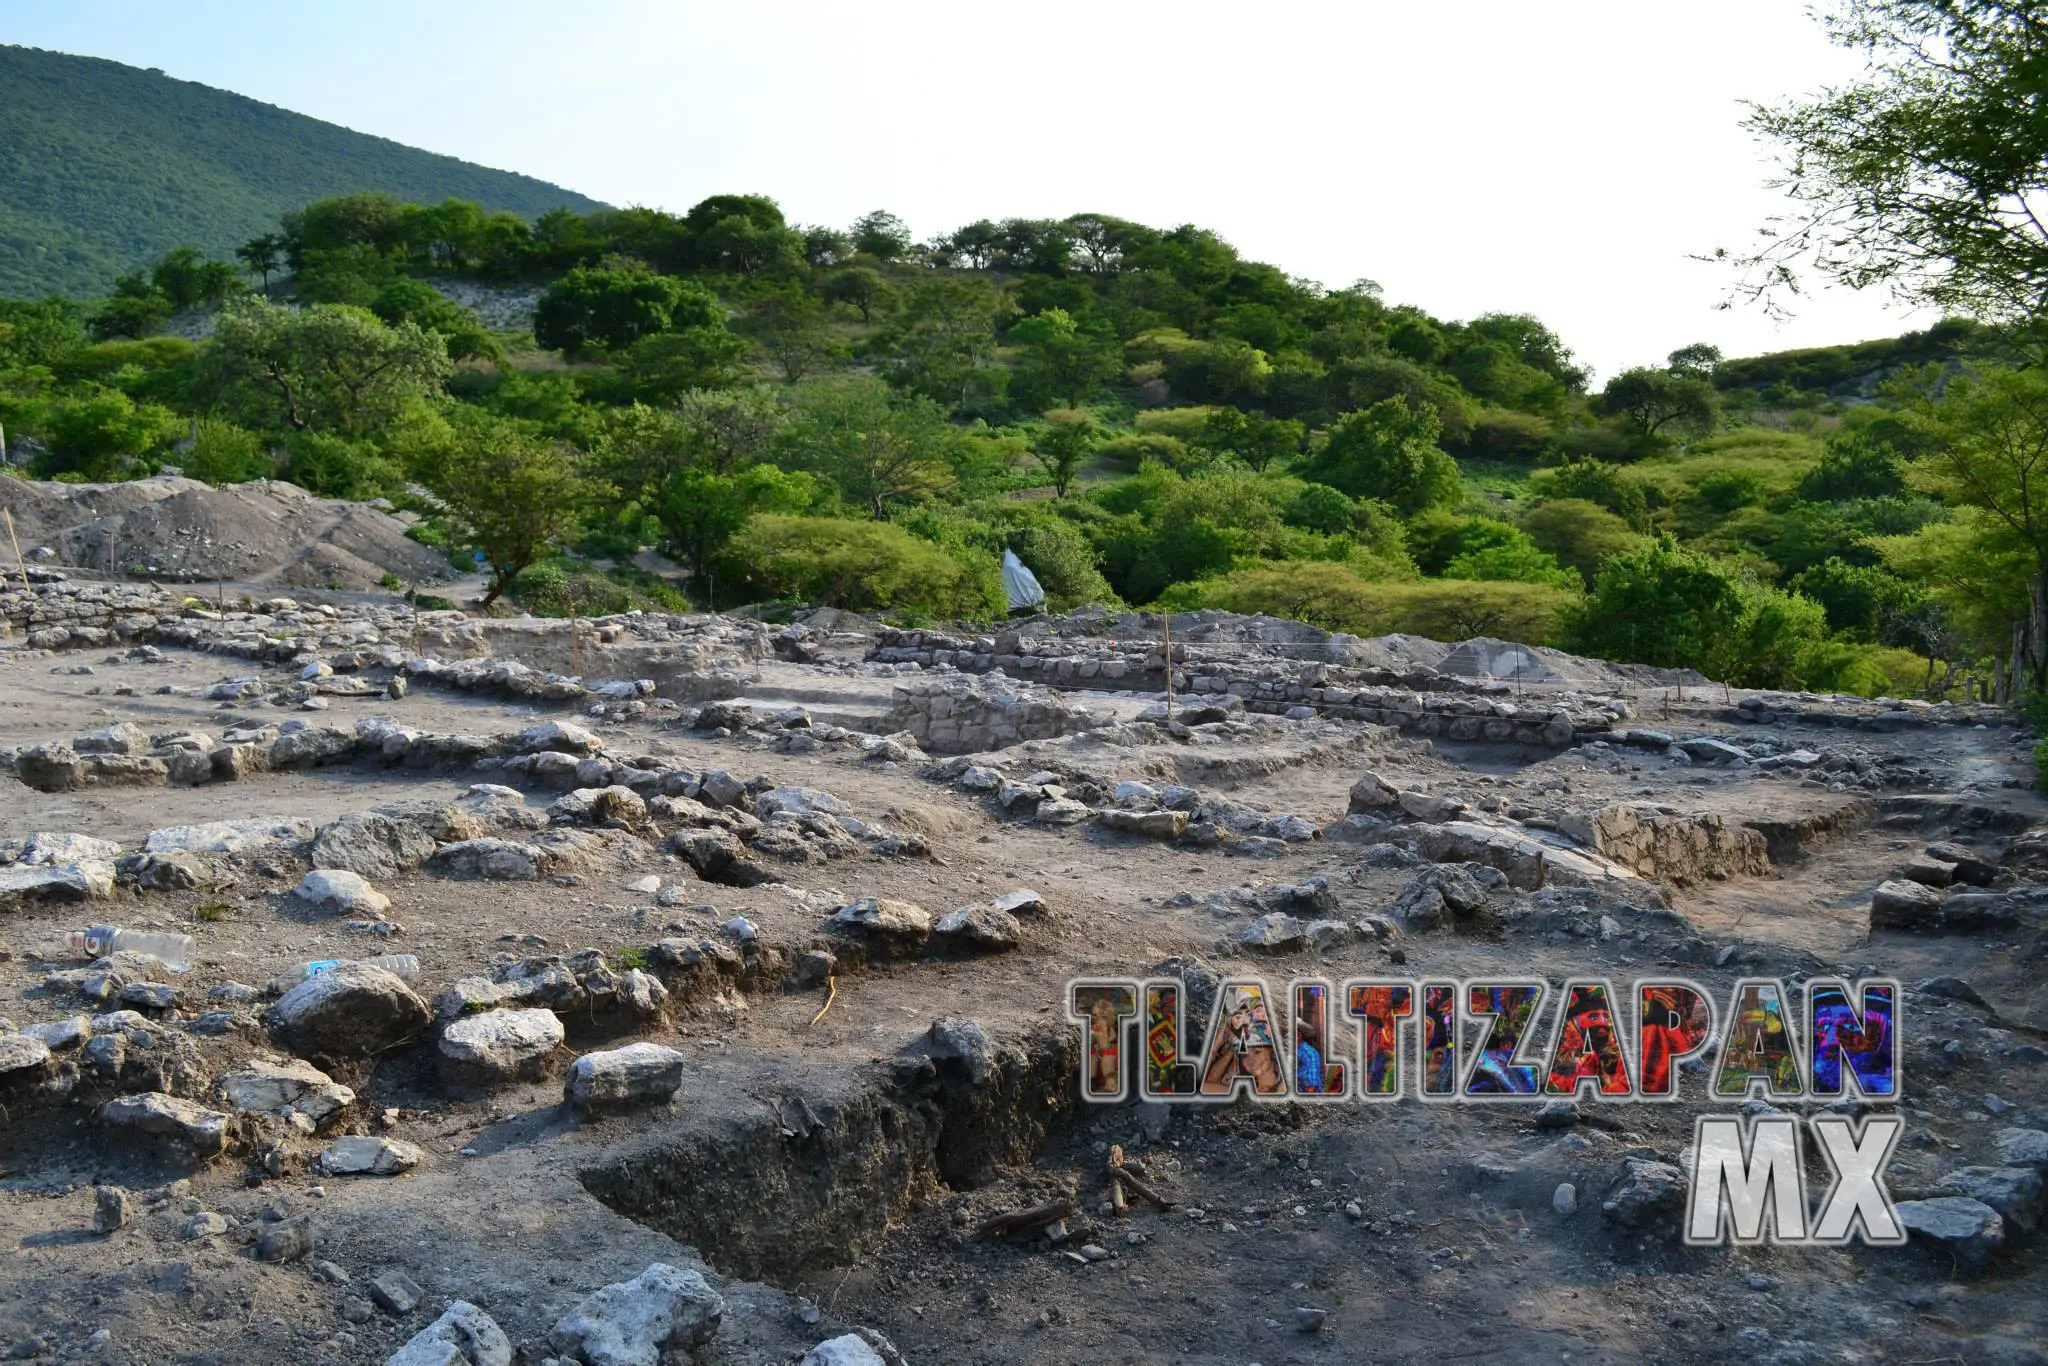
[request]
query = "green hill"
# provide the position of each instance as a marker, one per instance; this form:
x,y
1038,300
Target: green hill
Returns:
x,y
104,167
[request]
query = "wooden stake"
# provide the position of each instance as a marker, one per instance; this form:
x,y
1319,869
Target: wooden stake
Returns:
x,y
19,562
1116,1187
1167,618
575,638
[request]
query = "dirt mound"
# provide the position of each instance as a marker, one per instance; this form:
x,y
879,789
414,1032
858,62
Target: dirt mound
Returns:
x,y
174,528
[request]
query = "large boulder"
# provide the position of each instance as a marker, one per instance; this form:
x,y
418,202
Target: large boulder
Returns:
x,y
1372,795
885,917
372,845
1967,1229
561,737
51,768
1901,905
368,1155
464,1335
2015,1192
262,835
639,1073
157,1115
488,858
981,927
1158,825
634,1323
341,893
23,1055
295,1091
86,881
350,1011
499,1046
850,1349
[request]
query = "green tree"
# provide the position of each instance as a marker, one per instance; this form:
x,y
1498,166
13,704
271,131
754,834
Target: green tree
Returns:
x,y
701,510
596,309
188,279
943,340
43,332
882,235
1661,605
1596,481
1926,176
1651,400
664,366
1984,443
1062,444
98,433
1387,452
460,329
1062,362
1252,437
325,368
223,453
1862,602
1580,534
881,450
262,256
862,287
790,326
1515,561
510,493
1854,466
136,308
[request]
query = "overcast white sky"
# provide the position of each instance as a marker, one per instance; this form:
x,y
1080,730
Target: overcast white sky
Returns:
x,y
1564,159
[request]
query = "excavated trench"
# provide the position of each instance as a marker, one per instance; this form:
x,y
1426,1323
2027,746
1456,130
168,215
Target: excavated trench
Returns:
x,y
807,1183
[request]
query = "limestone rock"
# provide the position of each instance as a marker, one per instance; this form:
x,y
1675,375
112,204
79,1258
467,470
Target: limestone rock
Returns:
x,y
22,1054
369,1156
2024,1147
372,845
885,916
981,926
1372,793
341,893
564,737
500,1046
633,1323
350,1011
489,858
296,1091
2015,1192
1969,1229
850,1349
1023,901
464,1335
51,768
262,835
1158,825
1647,1191
636,1074
1900,905
153,1113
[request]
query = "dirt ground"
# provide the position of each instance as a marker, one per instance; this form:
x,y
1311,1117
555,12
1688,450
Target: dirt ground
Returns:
x,y
827,1170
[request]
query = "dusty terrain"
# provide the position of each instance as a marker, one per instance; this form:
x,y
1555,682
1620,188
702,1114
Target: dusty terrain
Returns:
x,y
829,1153
266,532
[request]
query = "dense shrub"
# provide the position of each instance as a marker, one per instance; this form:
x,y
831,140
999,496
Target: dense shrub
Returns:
x,y
863,566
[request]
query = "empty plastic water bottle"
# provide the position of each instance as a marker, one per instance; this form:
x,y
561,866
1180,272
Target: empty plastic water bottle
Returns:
x,y
404,966
174,951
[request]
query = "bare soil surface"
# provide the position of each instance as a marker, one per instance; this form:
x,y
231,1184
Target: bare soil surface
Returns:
x,y
825,1162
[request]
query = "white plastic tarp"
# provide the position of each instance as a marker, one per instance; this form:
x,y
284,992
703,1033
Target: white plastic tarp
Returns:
x,y
1020,583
